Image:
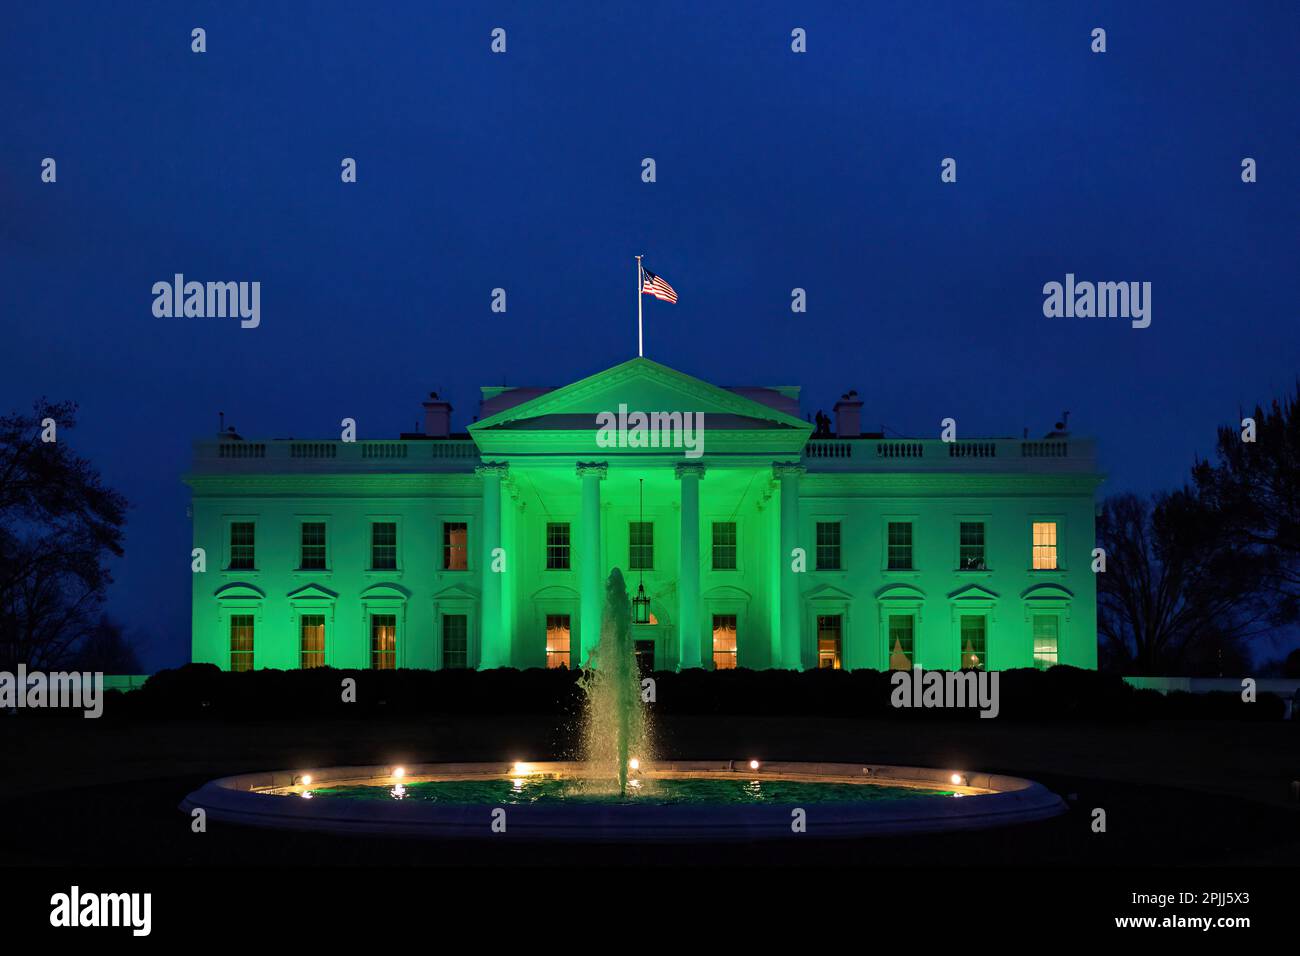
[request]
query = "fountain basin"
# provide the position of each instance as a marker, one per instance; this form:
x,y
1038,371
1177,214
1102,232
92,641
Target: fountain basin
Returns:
x,y
674,801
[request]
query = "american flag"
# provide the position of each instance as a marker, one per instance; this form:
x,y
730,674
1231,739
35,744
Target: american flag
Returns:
x,y
651,284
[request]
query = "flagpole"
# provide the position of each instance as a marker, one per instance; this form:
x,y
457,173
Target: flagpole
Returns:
x,y
640,350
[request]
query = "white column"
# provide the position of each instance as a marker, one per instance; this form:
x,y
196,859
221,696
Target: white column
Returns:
x,y
787,473
688,570
495,644
590,601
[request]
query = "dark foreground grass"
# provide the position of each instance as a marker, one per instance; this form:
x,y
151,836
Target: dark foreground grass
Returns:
x,y
78,792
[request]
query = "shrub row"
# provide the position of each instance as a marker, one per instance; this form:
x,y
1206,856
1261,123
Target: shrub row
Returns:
x,y
1061,693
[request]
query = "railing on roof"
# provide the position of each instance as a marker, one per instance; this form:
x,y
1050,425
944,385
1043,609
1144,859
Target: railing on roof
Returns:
x,y
294,455
902,454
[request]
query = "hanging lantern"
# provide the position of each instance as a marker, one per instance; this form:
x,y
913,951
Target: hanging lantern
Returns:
x,y
640,606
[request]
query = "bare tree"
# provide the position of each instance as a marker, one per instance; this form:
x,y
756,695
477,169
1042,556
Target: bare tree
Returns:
x,y
1176,593
58,525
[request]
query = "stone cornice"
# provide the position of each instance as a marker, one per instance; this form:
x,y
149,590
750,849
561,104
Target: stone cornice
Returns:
x,y
308,486
599,469
694,469
951,483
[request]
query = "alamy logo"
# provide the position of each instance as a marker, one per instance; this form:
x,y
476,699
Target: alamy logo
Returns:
x,y
1102,300
35,689
209,300
75,908
918,688
626,429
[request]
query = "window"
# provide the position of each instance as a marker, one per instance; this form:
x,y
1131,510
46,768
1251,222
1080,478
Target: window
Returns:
x,y
313,546
724,546
828,641
974,642
828,545
724,642
455,640
557,546
557,639
383,546
1044,546
898,538
970,546
312,628
902,642
241,546
455,546
241,642
640,545
383,642
1046,634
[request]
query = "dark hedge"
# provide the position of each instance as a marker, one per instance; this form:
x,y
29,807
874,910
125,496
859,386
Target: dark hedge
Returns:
x,y
1061,693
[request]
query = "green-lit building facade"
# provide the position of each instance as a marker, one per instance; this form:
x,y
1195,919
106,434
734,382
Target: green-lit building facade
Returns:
x,y
768,545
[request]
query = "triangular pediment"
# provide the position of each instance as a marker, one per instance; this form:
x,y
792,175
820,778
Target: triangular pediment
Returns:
x,y
827,592
569,418
312,592
972,592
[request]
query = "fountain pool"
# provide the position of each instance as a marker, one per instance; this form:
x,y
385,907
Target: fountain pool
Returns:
x,y
665,801
618,791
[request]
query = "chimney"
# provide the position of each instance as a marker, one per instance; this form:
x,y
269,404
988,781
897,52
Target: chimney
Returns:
x,y
437,417
848,415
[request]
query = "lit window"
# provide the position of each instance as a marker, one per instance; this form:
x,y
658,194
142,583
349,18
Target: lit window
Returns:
x,y
241,642
724,642
902,642
724,545
1044,545
899,546
313,640
383,642
557,546
828,545
241,546
974,642
383,546
558,635
1046,635
455,640
971,546
828,641
641,545
313,546
455,546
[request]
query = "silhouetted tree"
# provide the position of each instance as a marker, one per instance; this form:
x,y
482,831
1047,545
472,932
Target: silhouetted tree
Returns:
x,y
58,525
107,649
1254,486
1176,597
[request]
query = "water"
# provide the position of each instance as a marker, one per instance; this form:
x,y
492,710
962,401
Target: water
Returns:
x,y
616,728
550,788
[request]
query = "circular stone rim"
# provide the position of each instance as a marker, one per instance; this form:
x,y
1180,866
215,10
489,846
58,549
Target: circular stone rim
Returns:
x,y
988,800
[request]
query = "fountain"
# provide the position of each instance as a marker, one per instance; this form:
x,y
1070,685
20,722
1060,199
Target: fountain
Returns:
x,y
615,724
594,799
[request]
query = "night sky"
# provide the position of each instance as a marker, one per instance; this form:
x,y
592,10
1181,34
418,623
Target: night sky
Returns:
x,y
775,170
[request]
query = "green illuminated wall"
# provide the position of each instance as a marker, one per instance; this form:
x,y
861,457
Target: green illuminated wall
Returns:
x,y
538,451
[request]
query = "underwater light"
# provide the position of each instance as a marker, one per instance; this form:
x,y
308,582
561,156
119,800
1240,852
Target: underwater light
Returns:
x,y
753,765
634,764
306,779
520,769
399,772
958,780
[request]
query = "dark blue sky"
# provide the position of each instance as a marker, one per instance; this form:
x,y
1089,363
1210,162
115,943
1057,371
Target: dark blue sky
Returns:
x,y
775,170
